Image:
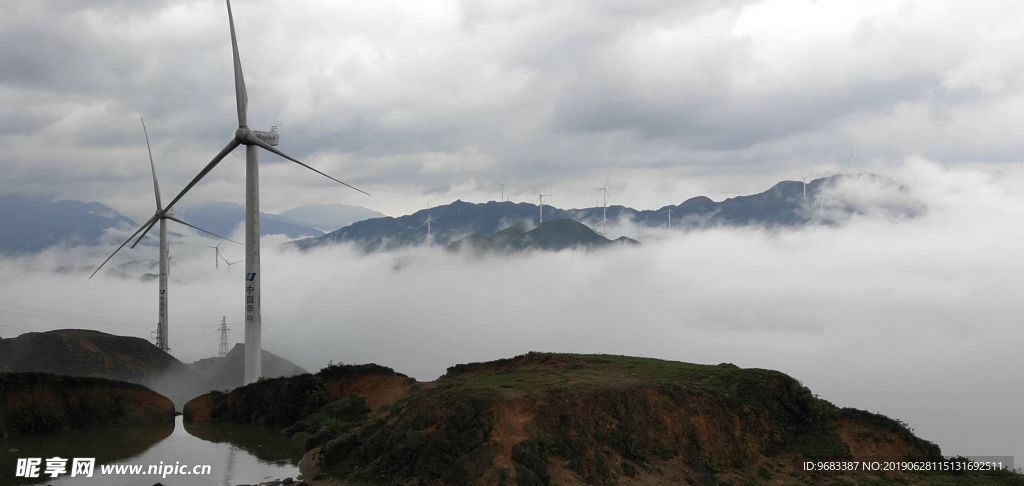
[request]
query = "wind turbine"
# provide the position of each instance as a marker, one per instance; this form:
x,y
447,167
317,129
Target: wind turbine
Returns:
x,y
253,140
430,237
502,184
162,215
670,217
540,204
604,207
216,254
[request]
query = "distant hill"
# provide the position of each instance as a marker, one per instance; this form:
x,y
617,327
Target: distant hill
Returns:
x,y
33,403
32,224
303,221
224,218
79,352
554,235
450,222
228,372
42,222
328,217
783,205
543,418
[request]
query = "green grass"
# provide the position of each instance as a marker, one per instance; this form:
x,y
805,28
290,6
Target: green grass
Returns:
x,y
541,372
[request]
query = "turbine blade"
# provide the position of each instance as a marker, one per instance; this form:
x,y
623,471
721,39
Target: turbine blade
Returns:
x,y
122,246
241,97
226,260
213,163
152,166
172,218
269,148
144,233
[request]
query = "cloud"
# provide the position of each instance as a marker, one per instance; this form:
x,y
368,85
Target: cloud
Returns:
x,y
445,97
916,318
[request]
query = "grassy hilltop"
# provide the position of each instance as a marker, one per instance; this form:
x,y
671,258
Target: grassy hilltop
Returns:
x,y
542,419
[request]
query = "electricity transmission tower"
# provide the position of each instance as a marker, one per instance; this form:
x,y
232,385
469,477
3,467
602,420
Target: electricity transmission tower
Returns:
x,y
158,338
223,351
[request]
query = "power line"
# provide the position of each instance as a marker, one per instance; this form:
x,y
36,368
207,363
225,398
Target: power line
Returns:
x,y
59,316
16,328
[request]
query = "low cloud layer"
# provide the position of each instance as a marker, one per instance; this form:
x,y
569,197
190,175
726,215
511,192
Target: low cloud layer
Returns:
x,y
915,318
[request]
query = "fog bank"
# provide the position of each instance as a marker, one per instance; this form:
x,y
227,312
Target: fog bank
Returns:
x,y
917,318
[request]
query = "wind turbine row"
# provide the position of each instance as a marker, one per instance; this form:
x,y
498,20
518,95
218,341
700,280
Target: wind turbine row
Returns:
x,y
253,140
162,215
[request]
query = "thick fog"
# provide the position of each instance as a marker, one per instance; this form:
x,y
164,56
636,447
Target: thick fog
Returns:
x,y
919,319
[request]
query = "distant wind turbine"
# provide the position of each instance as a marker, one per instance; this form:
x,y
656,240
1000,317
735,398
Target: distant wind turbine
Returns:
x,y
502,184
253,140
670,217
430,237
540,204
162,215
216,254
604,207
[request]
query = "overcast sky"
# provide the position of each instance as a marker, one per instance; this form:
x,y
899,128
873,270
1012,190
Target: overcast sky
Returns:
x,y
424,102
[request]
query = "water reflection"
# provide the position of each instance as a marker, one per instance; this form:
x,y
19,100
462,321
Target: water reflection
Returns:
x,y
265,443
105,444
236,454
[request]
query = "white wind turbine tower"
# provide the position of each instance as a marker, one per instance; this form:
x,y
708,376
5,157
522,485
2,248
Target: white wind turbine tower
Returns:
x,y
604,208
540,204
253,140
430,236
162,215
670,217
502,184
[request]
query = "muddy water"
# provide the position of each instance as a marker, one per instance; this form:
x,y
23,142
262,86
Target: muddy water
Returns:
x,y
235,454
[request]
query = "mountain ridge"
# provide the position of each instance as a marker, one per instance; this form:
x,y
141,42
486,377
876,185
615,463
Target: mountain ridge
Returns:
x,y
782,205
553,235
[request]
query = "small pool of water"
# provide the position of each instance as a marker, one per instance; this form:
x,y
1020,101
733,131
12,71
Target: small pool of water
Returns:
x,y
236,454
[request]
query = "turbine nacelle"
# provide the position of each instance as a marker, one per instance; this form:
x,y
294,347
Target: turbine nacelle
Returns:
x,y
271,138
246,136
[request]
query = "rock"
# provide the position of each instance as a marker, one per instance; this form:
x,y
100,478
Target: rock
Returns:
x,y
300,440
320,437
336,449
348,409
